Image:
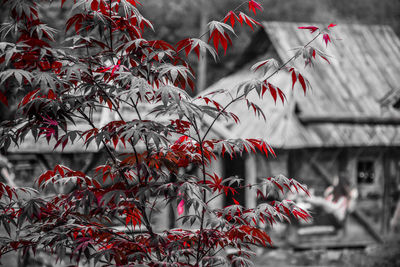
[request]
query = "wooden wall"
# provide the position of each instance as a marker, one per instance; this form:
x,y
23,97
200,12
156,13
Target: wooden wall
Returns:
x,y
317,168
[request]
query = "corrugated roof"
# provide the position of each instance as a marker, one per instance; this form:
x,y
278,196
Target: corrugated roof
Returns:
x,y
365,66
364,69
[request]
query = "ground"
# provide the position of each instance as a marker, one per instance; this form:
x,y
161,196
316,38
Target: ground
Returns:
x,y
373,255
379,255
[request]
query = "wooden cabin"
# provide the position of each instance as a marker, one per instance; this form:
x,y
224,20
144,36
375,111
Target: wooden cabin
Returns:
x,y
339,127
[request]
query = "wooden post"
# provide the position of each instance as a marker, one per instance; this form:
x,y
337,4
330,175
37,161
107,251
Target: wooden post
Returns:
x,y
250,178
389,172
364,120
291,164
202,67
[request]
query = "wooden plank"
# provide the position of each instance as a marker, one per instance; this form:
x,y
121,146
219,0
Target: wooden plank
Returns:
x,y
339,246
321,171
395,221
202,64
369,120
362,219
389,172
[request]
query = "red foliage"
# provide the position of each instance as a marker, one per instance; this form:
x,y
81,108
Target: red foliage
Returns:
x,y
112,67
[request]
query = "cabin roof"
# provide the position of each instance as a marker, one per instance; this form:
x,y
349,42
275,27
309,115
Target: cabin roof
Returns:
x,y
364,69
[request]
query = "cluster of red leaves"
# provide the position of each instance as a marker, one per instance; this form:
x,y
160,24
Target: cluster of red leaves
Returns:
x,y
325,37
60,171
63,87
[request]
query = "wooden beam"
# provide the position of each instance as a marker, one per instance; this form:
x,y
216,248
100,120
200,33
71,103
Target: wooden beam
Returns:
x,y
369,120
331,246
321,171
362,219
202,63
389,174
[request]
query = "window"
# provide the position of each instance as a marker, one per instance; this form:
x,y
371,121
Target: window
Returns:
x,y
396,104
365,172
234,167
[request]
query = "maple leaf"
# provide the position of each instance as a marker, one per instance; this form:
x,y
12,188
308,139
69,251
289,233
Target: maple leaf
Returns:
x,y
294,77
48,132
302,82
196,45
331,25
266,65
253,5
298,77
94,5
326,38
311,28
232,17
249,21
219,35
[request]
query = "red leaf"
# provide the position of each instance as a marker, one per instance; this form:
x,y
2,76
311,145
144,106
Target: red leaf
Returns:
x,y
219,35
134,3
249,21
303,83
103,8
62,2
281,95
9,191
278,185
14,245
115,141
294,78
94,5
28,97
311,28
272,90
109,103
231,16
59,169
325,59
253,5
331,25
235,201
264,88
304,189
326,38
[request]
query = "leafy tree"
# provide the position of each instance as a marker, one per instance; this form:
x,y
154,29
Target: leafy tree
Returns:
x,y
108,64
